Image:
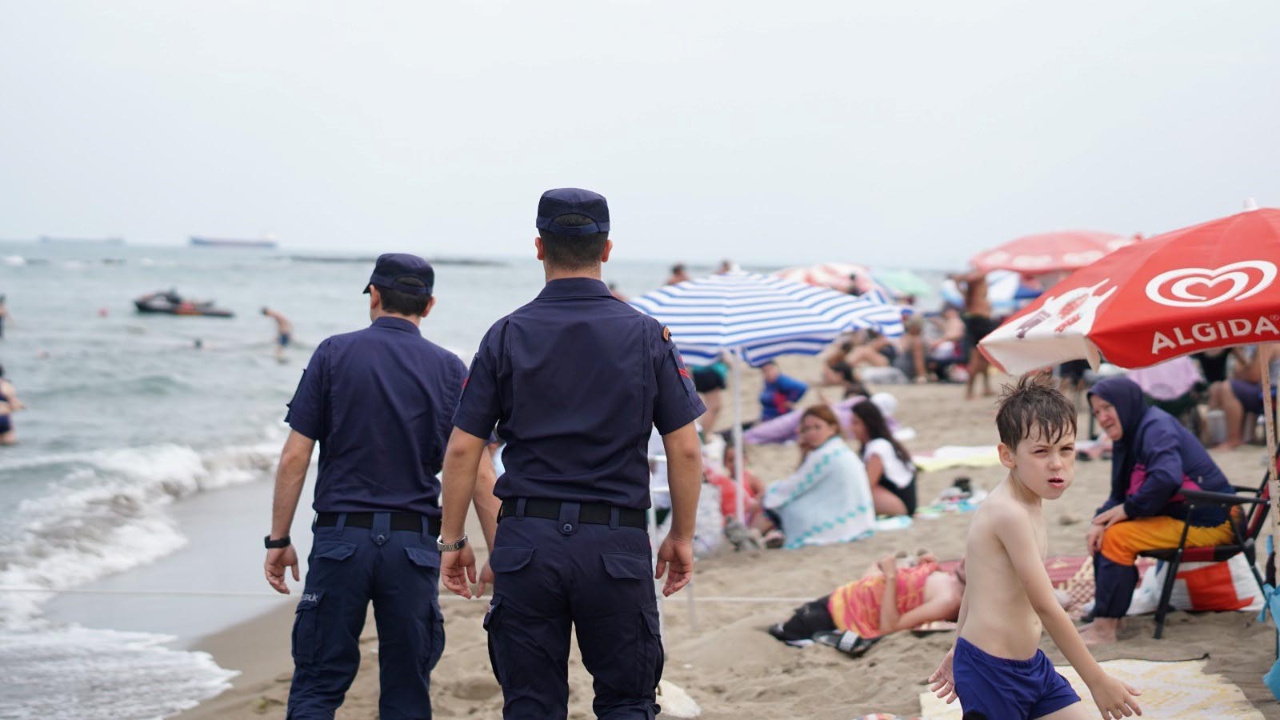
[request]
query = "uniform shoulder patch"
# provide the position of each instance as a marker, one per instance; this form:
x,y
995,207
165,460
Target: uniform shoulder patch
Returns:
x,y
666,333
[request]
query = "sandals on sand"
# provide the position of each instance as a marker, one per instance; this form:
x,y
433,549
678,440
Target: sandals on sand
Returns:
x,y
848,642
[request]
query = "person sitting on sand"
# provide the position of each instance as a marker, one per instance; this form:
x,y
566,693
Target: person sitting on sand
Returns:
x,y
780,393
1153,457
996,667
842,374
890,472
9,404
1243,392
913,358
886,599
828,499
877,351
727,482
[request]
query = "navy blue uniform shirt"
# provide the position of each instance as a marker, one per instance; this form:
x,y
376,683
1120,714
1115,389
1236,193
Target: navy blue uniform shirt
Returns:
x,y
575,381
380,401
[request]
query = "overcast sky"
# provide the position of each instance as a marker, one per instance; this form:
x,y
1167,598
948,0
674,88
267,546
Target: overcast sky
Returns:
x,y
888,133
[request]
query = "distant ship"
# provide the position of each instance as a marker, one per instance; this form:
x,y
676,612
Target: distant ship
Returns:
x,y
265,243
98,241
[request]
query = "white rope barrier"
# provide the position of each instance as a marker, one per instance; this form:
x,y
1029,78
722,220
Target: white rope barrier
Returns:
x,y
713,599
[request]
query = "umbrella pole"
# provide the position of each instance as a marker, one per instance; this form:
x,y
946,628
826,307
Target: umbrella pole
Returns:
x,y
1269,427
739,460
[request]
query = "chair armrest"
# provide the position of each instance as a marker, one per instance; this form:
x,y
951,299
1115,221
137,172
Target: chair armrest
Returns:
x,y
1216,498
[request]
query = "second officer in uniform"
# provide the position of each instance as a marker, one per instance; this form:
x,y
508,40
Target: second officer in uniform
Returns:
x,y
380,402
574,381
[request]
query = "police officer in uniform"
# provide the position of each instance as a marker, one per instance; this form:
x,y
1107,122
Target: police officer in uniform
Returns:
x,y
380,402
574,382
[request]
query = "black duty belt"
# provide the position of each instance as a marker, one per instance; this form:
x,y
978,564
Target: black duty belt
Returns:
x,y
591,513
411,522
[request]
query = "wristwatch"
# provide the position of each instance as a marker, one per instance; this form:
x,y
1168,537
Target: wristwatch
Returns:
x,y
443,546
276,544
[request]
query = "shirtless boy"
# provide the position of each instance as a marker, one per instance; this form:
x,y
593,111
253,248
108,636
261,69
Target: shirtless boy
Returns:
x,y
996,667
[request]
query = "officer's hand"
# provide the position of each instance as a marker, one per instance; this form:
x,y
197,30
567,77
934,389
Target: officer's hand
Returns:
x,y
457,569
277,560
675,558
486,579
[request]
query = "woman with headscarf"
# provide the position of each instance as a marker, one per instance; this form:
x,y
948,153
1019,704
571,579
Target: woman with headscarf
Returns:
x,y
1152,459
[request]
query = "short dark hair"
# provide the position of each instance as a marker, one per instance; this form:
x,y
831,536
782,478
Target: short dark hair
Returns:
x,y
1034,403
572,251
402,303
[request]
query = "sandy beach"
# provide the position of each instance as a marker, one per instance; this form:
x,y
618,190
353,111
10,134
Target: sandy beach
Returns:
x,y
727,663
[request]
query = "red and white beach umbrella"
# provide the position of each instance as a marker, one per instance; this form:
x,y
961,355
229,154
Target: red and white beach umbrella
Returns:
x,y
1051,252
1206,286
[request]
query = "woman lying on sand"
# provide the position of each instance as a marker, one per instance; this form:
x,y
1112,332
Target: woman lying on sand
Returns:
x,y
884,600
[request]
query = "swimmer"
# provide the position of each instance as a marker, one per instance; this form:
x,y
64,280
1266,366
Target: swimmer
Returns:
x,y
9,404
284,330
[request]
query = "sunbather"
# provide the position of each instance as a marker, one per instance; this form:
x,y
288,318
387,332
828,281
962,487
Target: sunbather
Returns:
x,y
886,599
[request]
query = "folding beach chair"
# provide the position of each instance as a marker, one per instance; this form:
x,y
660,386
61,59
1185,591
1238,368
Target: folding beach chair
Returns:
x,y
1246,527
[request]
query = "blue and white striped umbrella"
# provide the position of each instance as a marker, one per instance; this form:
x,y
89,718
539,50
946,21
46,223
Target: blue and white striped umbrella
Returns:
x,y
762,317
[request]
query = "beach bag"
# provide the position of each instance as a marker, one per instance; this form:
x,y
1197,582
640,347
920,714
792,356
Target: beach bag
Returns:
x,y
1139,476
1202,587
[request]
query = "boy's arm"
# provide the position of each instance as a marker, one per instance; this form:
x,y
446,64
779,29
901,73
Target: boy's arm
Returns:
x,y
1013,529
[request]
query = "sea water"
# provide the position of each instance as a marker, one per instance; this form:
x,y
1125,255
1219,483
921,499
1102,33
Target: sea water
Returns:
x,y
131,416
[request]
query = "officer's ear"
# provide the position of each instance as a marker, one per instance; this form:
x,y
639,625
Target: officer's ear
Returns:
x,y
537,243
431,302
375,298
608,247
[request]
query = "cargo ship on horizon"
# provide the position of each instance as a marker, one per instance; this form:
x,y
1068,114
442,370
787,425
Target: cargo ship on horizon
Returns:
x,y
267,243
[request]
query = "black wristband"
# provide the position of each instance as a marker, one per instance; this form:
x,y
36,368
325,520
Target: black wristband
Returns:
x,y
276,544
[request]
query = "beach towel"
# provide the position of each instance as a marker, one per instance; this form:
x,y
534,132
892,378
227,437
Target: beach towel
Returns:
x,y
954,456
1169,690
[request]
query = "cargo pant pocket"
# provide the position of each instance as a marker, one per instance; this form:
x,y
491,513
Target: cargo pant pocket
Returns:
x,y
653,656
306,627
427,560
491,620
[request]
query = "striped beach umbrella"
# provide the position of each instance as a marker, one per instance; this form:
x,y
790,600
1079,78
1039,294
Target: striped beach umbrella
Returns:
x,y
760,317
757,318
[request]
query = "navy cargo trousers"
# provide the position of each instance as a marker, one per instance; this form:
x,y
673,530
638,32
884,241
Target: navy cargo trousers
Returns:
x,y
399,572
551,574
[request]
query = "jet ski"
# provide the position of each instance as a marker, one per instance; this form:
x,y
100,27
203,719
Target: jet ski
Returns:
x,y
170,303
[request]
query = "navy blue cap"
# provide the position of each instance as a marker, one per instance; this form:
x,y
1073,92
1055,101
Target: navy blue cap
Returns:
x,y
573,201
393,266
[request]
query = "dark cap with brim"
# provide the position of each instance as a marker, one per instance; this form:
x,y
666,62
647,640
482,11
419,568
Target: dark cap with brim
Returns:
x,y
391,268
573,201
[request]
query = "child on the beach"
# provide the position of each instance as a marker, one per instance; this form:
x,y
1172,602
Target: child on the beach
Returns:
x,y
996,667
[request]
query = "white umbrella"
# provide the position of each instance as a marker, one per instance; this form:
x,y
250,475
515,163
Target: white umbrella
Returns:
x,y
756,318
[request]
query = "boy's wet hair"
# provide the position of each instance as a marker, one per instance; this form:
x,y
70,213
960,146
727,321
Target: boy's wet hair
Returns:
x,y
1034,404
